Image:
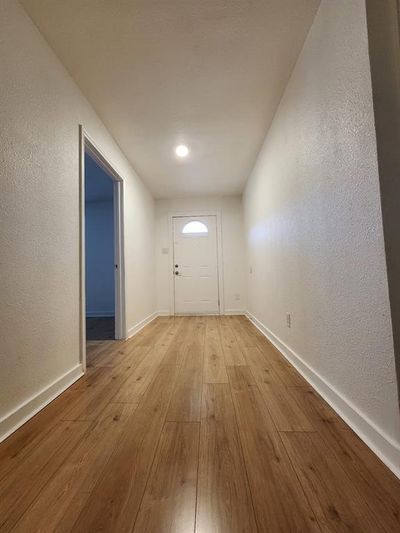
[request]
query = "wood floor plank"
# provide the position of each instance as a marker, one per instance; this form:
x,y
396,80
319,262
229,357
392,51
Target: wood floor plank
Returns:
x,y
244,337
214,362
282,405
359,462
114,502
133,388
315,407
232,352
260,339
117,355
254,358
334,498
18,446
223,501
169,502
95,398
288,374
25,482
375,482
144,370
113,353
186,401
286,371
185,405
77,475
151,333
176,349
93,348
193,350
146,338
286,413
279,500
272,455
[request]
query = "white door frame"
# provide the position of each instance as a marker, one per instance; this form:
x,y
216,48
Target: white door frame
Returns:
x,y
195,213
86,144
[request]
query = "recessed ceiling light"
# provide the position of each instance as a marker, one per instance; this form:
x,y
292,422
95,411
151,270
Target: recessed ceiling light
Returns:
x,y
182,150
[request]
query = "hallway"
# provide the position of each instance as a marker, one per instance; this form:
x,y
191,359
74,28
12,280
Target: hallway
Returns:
x,y
194,424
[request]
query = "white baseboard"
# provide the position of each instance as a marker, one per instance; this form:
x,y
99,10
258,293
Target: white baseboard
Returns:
x,y
140,325
381,444
166,312
26,410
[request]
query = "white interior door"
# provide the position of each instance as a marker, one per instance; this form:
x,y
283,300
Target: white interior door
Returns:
x,y
195,265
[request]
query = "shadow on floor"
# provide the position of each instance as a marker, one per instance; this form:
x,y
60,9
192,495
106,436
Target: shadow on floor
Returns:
x,y
100,328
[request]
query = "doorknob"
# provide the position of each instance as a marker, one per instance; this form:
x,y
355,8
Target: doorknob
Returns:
x,y
176,273
176,266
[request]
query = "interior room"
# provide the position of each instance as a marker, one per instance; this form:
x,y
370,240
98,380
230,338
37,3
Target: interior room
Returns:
x,y
99,253
199,270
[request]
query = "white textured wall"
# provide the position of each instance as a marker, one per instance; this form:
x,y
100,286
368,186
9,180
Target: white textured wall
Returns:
x,y
230,208
313,221
40,109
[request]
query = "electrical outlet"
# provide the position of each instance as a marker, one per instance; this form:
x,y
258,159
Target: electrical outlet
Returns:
x,y
237,297
288,320
251,270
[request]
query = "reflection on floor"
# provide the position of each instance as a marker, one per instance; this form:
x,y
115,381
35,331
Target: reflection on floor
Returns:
x,y
100,328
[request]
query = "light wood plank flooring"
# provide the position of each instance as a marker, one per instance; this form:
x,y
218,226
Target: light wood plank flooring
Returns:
x,y
196,424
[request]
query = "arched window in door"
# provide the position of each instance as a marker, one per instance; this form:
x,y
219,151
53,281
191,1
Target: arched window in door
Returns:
x,y
195,226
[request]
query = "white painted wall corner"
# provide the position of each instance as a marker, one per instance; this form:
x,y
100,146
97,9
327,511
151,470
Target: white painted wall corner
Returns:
x,y
380,443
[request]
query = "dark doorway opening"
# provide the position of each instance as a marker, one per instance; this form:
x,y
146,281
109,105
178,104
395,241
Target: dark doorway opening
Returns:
x,y
99,252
